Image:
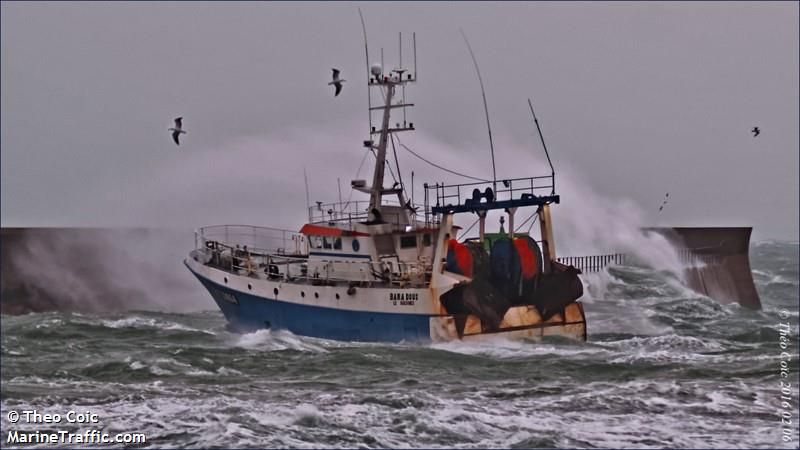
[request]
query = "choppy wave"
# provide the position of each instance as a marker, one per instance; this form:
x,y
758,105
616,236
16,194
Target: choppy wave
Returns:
x,y
664,367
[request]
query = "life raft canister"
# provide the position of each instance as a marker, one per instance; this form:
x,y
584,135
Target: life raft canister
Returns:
x,y
459,258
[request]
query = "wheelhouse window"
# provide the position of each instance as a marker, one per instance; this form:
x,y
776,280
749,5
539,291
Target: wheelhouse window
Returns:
x,y
408,241
325,242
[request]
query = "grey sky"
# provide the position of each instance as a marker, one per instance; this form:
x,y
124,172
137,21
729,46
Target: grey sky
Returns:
x,y
635,100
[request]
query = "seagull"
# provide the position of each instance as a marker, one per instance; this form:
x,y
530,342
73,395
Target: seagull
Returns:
x,y
336,82
177,131
664,203
755,131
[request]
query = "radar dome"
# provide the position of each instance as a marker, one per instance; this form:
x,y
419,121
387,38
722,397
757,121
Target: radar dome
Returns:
x,y
376,70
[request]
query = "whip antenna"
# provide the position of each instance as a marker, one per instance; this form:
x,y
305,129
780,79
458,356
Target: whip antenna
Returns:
x,y
485,108
366,54
552,170
414,39
308,200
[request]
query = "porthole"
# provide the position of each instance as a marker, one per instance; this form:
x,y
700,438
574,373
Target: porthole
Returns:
x,y
249,286
316,294
302,294
337,296
275,291
226,279
356,245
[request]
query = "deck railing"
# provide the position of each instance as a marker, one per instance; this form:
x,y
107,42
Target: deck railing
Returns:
x,y
271,253
596,263
256,239
327,272
505,189
350,212
499,194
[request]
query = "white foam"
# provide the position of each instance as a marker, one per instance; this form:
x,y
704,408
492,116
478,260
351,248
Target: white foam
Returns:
x,y
780,279
307,411
155,370
270,340
198,373
148,322
502,347
50,323
226,371
670,341
596,285
304,419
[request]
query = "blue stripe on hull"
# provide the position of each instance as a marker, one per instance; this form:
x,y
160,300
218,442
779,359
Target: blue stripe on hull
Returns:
x,y
253,313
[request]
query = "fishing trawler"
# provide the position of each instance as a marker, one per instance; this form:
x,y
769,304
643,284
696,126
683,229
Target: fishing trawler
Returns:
x,y
388,270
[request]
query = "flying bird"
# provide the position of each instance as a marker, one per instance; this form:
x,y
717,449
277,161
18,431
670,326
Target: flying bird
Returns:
x,y
337,82
664,203
177,131
755,131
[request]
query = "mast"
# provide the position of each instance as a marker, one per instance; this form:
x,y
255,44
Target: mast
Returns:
x,y
388,84
380,158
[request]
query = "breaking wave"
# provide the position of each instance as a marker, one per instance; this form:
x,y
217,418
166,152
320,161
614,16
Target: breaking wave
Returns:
x,y
663,367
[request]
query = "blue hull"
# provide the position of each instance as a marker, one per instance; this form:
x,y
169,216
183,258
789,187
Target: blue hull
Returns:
x,y
246,312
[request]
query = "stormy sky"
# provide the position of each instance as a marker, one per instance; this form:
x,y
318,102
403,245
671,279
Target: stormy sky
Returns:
x,y
635,100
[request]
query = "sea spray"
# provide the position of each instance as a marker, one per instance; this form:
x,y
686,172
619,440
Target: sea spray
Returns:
x,y
660,369
90,269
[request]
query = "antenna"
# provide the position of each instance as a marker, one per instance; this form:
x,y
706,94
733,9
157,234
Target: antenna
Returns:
x,y
552,170
400,45
308,200
414,38
366,53
390,84
412,188
485,108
